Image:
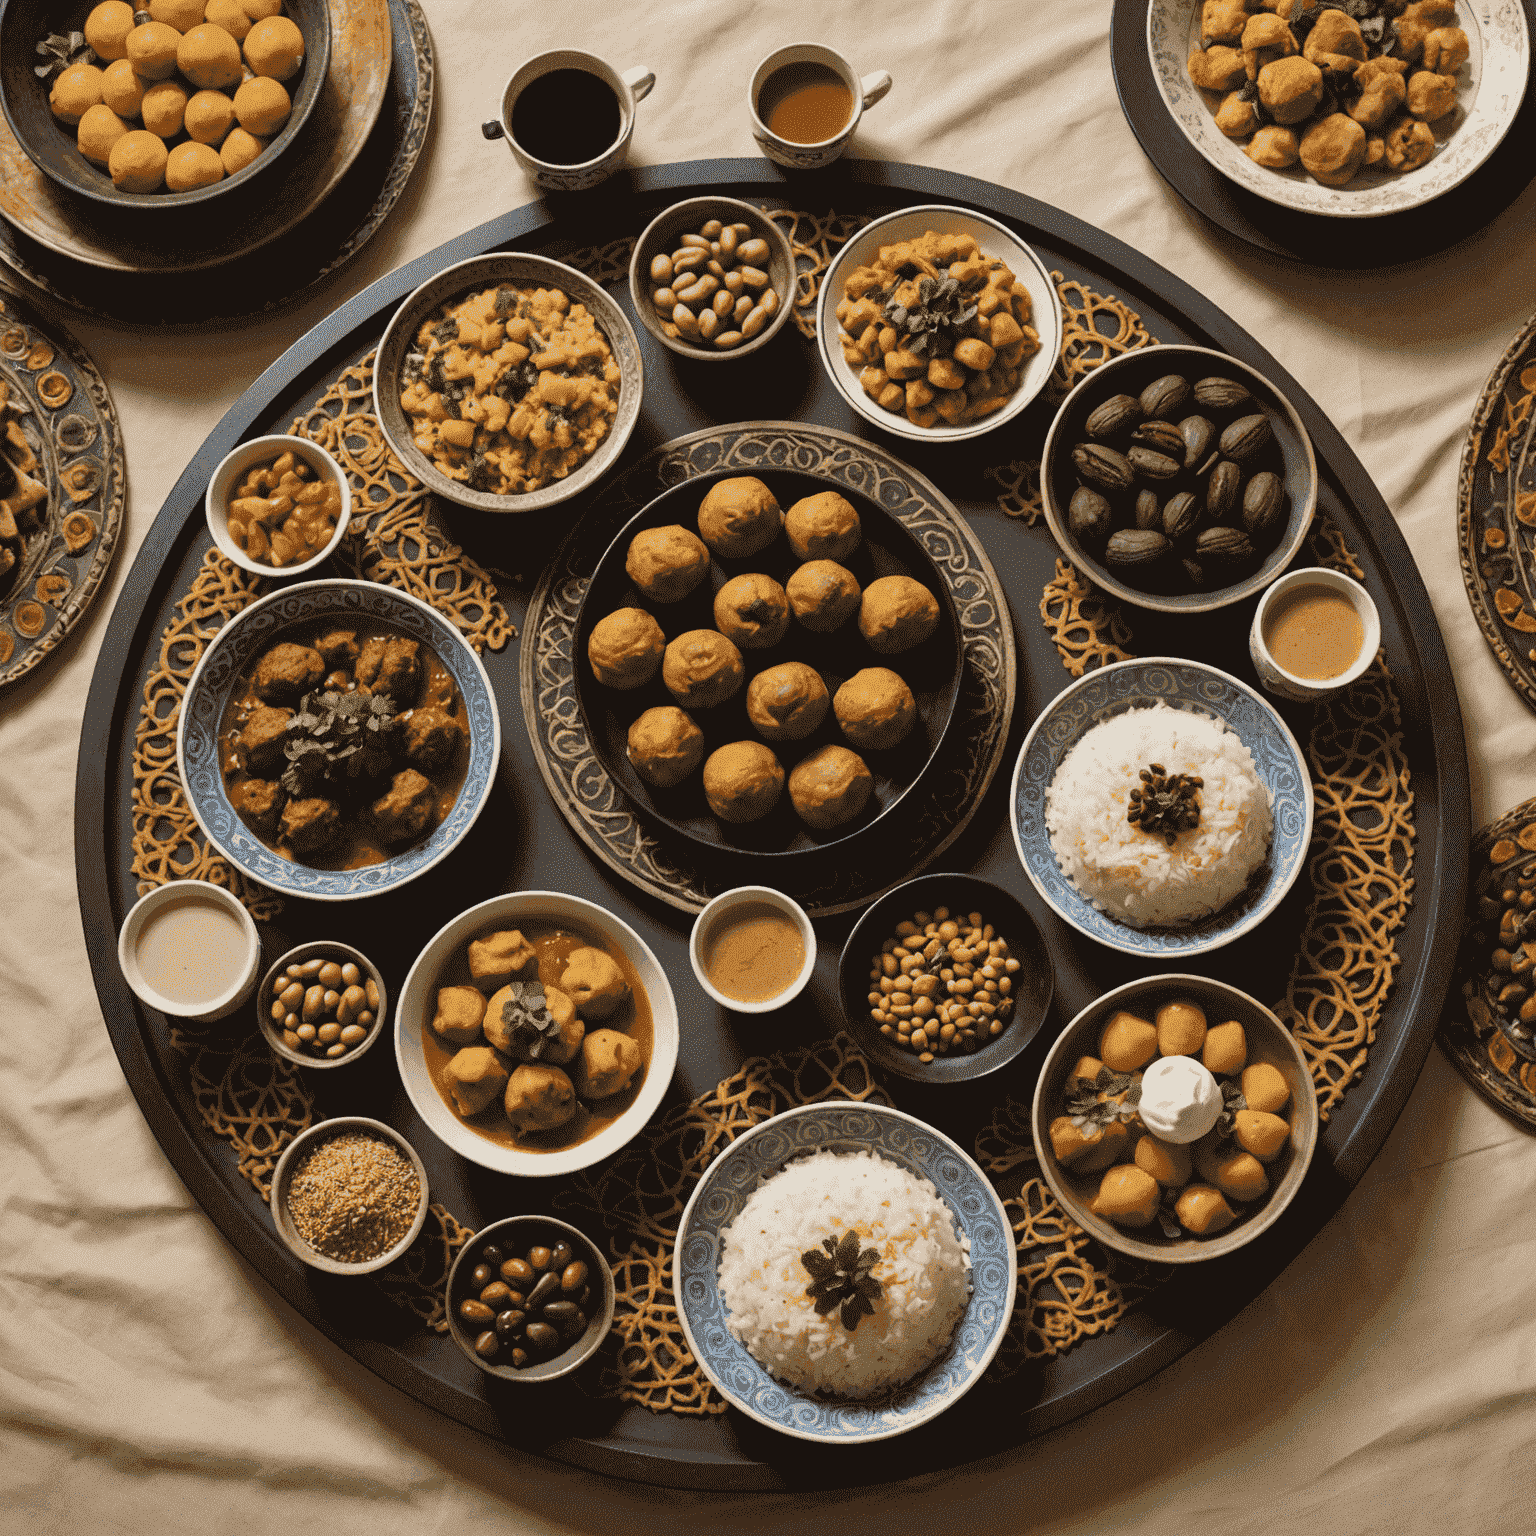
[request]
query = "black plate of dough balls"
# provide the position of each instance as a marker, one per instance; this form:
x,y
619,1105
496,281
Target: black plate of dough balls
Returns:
x,y
767,664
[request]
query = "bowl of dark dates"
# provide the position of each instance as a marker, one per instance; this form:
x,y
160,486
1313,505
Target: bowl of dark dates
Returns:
x,y
529,1298
1178,478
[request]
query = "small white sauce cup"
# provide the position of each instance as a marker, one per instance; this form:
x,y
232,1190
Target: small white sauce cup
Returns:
x,y
720,908
206,1010
262,450
812,157
1307,690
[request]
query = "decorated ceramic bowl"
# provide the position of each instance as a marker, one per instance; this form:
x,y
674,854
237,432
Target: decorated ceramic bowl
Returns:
x,y
232,652
1188,685
899,1138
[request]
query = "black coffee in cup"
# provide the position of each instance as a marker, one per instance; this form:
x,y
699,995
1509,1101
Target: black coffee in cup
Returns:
x,y
566,117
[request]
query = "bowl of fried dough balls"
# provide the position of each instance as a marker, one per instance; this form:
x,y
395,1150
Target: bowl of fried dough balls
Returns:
x,y
174,104
766,663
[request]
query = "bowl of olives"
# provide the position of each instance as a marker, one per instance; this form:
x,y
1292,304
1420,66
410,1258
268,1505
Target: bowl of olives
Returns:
x,y
1179,479
530,1298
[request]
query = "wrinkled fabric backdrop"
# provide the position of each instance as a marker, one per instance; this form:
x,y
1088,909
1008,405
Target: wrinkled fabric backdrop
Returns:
x,y
150,1382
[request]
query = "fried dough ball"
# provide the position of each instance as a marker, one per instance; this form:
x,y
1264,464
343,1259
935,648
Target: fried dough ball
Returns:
x,y
823,527
474,1078
230,15
1235,117
1168,1162
164,107
1291,89
538,1098
122,90
1225,1052
152,50
1265,1088
875,708
1128,1196
738,517
823,595
1203,1211
210,58
1265,39
897,613
665,746
137,162
107,27
1127,1042
1098,1152
460,1011
209,117
75,91
1217,69
1379,101
1274,147
1446,49
830,786
259,10
193,165
1333,149
100,128
1416,23
181,14
1430,97
263,106
1180,1029
752,611
1222,21
625,648
787,702
1335,42
1237,1174
239,150
701,669
1409,144
742,781
666,563
609,1059
556,1050
275,47
502,957
593,982
1262,1134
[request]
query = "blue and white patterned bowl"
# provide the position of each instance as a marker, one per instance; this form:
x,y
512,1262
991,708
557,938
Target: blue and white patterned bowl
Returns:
x,y
233,650
1185,685
844,1127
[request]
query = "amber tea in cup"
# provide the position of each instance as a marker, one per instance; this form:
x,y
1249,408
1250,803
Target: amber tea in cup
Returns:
x,y
1314,632
567,117
805,102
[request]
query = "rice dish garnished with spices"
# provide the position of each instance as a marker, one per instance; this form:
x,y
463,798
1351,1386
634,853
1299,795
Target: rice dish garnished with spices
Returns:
x,y
838,1238
1158,816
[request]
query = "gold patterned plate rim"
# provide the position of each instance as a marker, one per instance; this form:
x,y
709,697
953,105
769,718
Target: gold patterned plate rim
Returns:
x,y
597,809
1494,558
361,62
75,435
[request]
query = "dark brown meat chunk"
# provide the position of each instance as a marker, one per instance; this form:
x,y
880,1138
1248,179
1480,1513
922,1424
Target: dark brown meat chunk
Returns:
x,y
258,803
310,825
338,648
406,809
260,743
431,737
287,672
389,664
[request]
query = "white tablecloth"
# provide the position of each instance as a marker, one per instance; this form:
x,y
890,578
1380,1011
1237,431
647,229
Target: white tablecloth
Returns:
x,y
150,1382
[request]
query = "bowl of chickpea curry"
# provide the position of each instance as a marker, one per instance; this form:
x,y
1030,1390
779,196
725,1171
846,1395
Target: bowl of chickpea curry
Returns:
x,y
278,505
508,383
337,739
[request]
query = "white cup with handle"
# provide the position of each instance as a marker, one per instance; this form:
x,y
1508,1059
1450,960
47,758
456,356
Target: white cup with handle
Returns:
x,y
558,175
803,67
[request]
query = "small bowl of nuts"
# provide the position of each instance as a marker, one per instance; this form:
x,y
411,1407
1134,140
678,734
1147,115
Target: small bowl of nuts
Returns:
x,y
278,505
712,278
322,1004
945,979
529,1298
1178,478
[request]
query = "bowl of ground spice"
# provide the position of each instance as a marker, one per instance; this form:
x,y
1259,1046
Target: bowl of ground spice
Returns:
x,y
349,1195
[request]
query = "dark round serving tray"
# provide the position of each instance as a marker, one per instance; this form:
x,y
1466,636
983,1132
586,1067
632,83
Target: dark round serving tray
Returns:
x,y
524,841
1311,237
762,851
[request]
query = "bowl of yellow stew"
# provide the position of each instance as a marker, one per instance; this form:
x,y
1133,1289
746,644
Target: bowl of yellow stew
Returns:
x,y
508,383
536,1033
278,505
1175,1118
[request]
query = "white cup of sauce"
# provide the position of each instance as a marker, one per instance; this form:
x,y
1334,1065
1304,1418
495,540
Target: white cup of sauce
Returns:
x,y
1314,633
801,117
567,117
190,950
753,949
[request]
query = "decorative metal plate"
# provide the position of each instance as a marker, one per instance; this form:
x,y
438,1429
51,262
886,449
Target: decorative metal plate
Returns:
x,y
763,1151
59,401
1496,512
1489,95
595,806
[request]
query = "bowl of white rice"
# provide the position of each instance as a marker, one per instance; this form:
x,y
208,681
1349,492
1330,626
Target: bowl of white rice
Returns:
x,y
1227,785
770,1222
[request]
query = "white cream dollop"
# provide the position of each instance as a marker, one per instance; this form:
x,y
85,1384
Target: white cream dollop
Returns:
x,y
1180,1100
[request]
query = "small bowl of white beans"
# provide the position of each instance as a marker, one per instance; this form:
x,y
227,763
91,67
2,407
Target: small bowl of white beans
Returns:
x,y
322,1004
713,278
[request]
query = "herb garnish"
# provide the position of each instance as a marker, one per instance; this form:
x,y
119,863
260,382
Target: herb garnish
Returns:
x,y
337,735
940,317
1165,805
526,1014
841,1278
1232,1100
62,50
1085,1106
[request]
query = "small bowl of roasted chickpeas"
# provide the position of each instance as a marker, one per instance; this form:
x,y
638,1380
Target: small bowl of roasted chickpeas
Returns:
x,y
322,1004
529,1298
278,505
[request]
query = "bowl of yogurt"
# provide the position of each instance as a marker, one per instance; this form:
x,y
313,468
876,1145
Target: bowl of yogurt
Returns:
x,y
190,951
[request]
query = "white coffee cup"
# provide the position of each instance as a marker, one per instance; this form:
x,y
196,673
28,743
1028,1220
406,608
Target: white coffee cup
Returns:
x,y
631,87
812,157
1310,690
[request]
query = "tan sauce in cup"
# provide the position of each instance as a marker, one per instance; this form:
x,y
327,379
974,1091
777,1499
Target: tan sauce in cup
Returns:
x,y
753,952
191,951
1313,632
